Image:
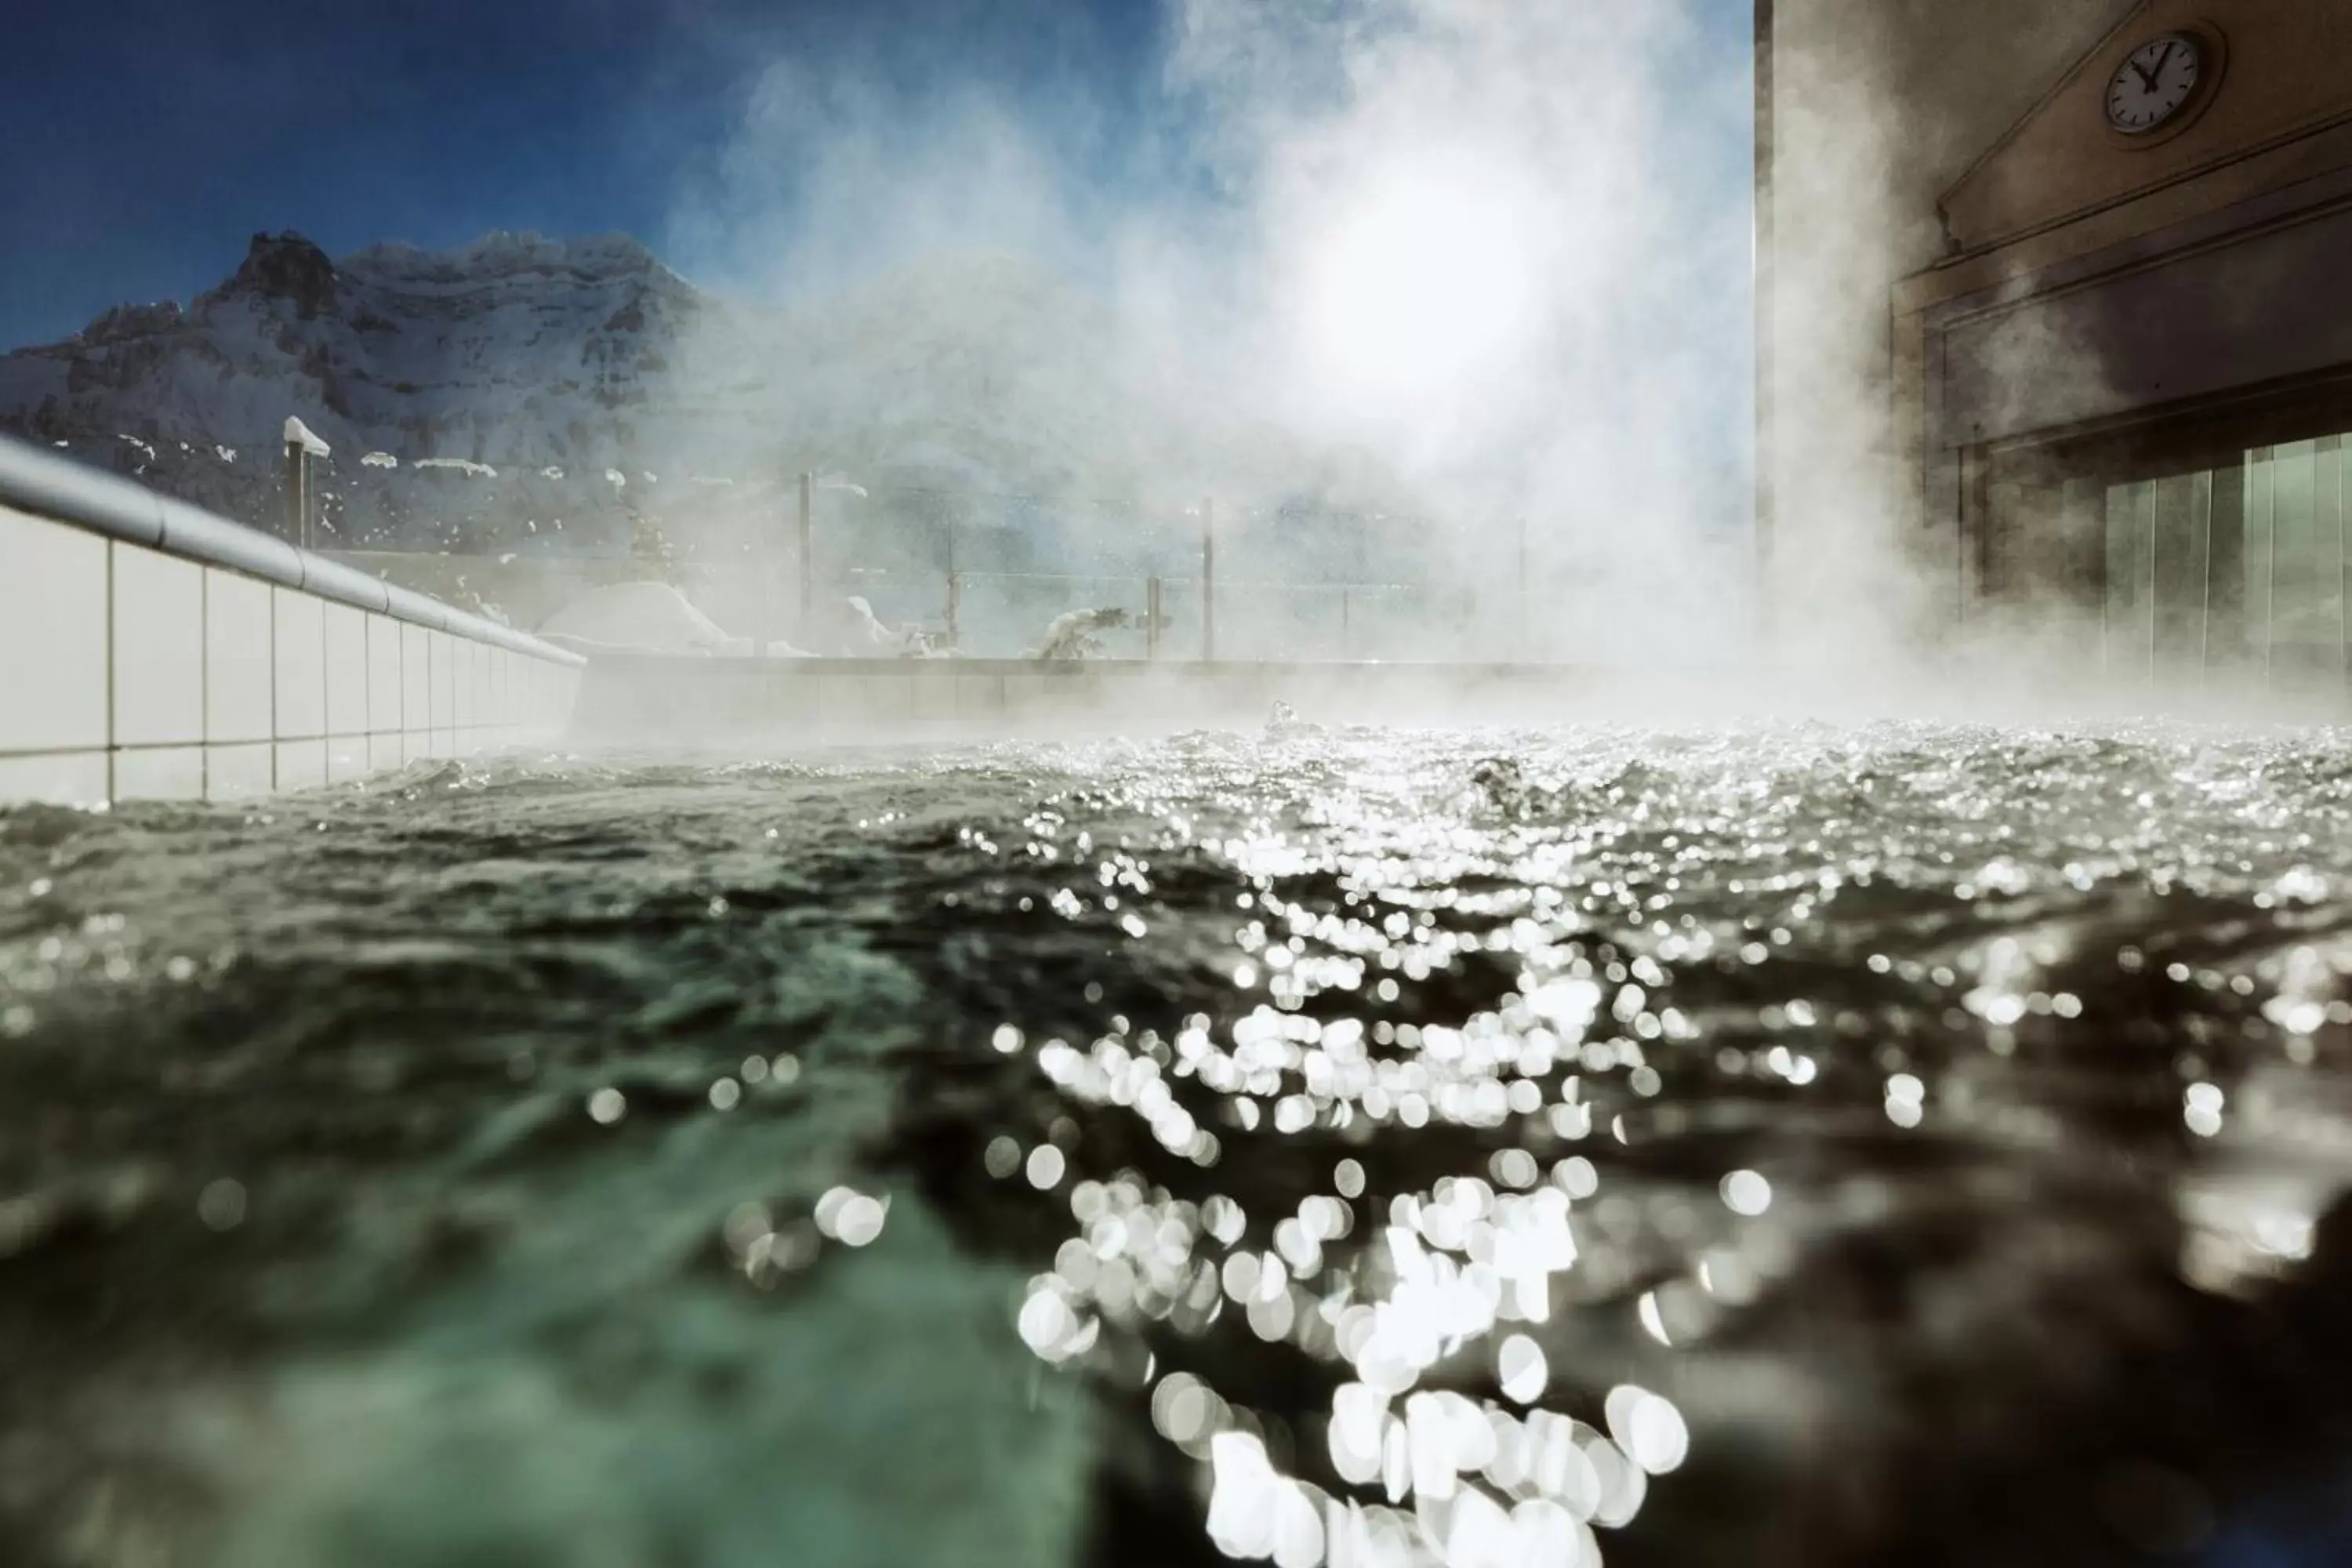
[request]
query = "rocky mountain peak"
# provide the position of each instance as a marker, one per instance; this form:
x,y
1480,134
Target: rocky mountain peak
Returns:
x,y
503,257
286,266
126,322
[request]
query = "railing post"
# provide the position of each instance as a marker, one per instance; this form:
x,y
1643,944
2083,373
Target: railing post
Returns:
x,y
301,446
297,505
1208,580
808,553
1151,617
955,587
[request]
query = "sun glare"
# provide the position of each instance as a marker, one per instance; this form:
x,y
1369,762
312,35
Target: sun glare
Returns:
x,y
1421,283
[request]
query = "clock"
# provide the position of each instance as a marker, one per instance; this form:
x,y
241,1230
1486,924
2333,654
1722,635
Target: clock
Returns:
x,y
2156,82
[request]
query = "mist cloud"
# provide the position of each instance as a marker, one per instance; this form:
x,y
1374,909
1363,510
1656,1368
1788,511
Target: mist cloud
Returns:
x,y
1502,247
837,174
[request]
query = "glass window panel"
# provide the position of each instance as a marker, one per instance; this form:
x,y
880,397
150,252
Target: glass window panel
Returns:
x,y
2328,511
2083,502
2178,573
2295,602
2078,549
2258,525
2130,520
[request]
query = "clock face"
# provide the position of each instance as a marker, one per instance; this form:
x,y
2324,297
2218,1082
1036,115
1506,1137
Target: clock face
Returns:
x,y
2154,83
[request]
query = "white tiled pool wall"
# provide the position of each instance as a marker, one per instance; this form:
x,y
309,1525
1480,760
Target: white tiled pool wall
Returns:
x,y
129,674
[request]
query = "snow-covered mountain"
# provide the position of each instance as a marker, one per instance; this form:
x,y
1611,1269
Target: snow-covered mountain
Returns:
x,y
533,394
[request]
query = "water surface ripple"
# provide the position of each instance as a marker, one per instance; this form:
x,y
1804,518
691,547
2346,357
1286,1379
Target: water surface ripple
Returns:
x,y
1809,1145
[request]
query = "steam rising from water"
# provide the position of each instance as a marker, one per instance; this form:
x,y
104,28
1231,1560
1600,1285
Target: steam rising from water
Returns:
x,y
1501,249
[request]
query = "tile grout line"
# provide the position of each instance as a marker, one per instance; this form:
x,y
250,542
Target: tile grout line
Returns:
x,y
112,675
487,678
205,673
24,753
274,592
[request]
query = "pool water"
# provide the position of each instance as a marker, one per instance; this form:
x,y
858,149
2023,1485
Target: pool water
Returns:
x,y
1792,1144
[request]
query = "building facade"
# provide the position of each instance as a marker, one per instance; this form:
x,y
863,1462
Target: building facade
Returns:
x,y
2079,369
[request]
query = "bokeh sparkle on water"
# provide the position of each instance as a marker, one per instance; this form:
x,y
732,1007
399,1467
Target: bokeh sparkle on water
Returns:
x,y
1359,1147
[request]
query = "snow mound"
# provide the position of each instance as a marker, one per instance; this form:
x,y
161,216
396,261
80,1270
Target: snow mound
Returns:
x,y
300,434
1078,634
848,628
638,617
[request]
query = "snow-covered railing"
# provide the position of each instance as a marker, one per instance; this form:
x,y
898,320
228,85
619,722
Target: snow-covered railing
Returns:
x,y
303,443
149,648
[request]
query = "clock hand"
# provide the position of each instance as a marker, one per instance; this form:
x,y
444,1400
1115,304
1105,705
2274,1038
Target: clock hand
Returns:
x,y
2161,61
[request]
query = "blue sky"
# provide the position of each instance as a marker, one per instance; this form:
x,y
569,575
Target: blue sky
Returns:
x,y
144,141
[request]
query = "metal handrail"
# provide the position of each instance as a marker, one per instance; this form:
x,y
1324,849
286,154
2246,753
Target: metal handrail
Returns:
x,y
62,491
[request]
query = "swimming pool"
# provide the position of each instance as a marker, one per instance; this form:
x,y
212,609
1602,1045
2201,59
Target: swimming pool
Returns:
x,y
1898,1143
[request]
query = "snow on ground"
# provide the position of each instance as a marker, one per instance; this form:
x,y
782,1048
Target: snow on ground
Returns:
x,y
638,617
1078,634
654,617
848,628
647,617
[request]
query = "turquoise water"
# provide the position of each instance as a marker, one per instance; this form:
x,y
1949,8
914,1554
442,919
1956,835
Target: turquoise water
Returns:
x,y
1365,1147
